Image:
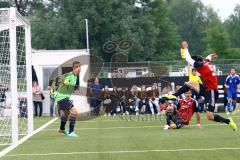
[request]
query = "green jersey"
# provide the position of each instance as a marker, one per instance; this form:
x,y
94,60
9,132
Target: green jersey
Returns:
x,y
66,87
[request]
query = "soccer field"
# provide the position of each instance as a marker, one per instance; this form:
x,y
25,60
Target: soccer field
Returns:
x,y
106,138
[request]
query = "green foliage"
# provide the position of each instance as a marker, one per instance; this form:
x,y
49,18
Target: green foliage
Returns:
x,y
217,40
233,27
61,25
192,18
168,39
5,4
232,53
155,28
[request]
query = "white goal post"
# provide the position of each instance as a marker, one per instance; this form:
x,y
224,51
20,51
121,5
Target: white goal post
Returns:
x,y
16,107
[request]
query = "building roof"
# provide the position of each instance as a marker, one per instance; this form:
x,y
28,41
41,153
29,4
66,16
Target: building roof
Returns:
x,y
57,57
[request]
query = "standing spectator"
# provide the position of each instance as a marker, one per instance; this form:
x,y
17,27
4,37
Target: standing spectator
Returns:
x,y
95,95
51,88
37,99
231,84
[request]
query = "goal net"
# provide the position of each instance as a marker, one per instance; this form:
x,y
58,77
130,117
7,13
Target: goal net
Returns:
x,y
16,118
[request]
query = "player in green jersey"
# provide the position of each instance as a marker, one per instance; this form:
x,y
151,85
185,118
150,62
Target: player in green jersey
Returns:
x,y
62,97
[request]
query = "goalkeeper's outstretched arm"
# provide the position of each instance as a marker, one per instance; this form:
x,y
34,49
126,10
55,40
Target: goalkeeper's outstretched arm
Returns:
x,y
187,55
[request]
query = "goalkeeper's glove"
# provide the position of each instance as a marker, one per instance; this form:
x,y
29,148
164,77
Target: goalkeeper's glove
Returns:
x,y
66,82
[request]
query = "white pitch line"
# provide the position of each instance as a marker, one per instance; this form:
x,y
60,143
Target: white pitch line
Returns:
x,y
10,148
120,120
121,152
7,150
96,121
111,128
134,127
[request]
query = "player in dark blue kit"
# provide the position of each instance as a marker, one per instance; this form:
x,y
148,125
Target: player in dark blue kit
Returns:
x,y
231,83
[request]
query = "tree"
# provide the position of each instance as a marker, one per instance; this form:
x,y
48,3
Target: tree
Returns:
x,y
5,4
192,18
217,40
21,5
232,25
60,25
168,40
24,7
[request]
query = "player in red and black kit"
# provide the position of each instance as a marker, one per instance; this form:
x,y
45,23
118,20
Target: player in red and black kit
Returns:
x,y
210,88
185,109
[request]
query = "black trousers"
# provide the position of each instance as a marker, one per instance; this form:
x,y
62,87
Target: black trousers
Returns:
x,y
36,105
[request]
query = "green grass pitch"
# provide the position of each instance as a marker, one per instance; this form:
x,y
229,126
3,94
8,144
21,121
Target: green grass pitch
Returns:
x,y
111,138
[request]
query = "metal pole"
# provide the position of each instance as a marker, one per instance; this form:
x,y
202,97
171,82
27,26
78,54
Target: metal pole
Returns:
x,y
29,78
87,37
13,71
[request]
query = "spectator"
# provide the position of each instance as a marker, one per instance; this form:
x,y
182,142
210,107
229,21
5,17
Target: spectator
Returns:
x,y
123,101
143,103
115,99
37,99
51,88
95,95
2,94
133,101
106,100
154,98
2,99
167,89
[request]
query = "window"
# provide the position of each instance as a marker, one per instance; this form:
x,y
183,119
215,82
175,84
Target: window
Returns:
x,y
47,72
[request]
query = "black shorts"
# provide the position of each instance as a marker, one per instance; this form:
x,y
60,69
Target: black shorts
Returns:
x,y
202,90
65,104
211,98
